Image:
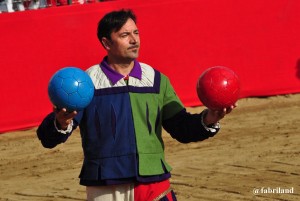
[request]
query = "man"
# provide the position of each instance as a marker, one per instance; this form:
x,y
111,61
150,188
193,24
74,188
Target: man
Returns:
x,y
121,128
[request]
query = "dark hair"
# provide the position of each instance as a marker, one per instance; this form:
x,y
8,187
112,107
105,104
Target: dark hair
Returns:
x,y
113,22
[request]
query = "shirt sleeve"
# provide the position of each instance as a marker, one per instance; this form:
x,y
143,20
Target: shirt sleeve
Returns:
x,y
181,125
186,127
50,135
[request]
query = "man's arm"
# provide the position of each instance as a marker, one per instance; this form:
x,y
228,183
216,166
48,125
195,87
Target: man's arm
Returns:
x,y
186,127
51,134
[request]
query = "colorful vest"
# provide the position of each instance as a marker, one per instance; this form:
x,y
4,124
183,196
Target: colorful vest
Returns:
x,y
122,127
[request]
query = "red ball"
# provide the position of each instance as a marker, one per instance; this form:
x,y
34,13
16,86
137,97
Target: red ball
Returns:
x,y
218,87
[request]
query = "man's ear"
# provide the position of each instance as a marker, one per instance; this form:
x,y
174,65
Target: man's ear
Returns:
x,y
106,43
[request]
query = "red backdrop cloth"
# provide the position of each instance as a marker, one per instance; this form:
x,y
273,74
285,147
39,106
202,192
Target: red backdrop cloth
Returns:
x,y
257,39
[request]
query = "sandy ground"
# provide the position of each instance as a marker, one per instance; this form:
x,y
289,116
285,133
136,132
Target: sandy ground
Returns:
x,y
256,151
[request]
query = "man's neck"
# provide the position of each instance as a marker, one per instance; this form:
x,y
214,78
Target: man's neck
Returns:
x,y
124,68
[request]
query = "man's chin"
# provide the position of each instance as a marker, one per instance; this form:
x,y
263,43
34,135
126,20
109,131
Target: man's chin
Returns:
x,y
134,56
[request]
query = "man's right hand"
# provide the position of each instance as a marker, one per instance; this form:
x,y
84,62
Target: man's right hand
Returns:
x,y
63,117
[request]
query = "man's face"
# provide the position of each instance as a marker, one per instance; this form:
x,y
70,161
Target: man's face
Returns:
x,y
125,43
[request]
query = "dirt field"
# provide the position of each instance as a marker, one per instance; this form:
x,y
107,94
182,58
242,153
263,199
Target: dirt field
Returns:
x,y
257,151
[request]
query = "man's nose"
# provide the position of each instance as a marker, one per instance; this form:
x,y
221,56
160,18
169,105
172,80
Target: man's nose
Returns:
x,y
133,38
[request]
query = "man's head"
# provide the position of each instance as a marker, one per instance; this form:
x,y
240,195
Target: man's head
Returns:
x,y
119,35
112,22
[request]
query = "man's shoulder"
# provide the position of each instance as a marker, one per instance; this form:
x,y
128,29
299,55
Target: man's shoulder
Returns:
x,y
147,68
95,67
144,65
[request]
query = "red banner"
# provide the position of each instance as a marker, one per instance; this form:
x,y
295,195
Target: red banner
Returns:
x,y
257,39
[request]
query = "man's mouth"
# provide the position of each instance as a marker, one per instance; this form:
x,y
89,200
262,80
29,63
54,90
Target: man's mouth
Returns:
x,y
134,47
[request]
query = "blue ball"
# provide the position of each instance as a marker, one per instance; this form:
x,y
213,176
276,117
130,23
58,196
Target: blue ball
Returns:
x,y
71,88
